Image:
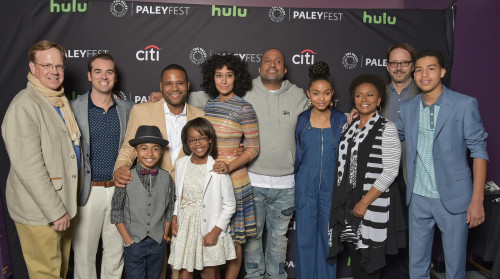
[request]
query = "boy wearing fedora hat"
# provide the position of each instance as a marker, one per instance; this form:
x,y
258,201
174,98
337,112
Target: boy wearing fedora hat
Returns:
x,y
142,211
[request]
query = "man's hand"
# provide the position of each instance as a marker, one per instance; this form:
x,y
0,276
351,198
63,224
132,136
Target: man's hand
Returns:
x,y
155,96
62,223
353,115
475,214
122,176
238,151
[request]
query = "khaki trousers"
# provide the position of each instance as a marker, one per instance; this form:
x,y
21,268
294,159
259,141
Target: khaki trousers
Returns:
x,y
46,251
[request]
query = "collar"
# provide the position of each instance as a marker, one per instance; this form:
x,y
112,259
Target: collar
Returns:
x,y
437,103
92,105
167,110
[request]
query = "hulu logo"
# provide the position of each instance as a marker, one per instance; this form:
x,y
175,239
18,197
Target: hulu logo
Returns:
x,y
383,19
234,11
67,7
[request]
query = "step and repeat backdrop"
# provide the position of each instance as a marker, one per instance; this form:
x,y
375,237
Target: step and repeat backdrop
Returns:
x,y
145,37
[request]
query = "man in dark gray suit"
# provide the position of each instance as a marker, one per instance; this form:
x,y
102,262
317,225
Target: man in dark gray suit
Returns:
x,y
103,122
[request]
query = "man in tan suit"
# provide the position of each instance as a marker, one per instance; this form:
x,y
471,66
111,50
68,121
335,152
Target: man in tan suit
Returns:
x,y
170,116
42,140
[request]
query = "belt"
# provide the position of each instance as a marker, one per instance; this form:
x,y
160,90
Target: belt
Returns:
x,y
106,184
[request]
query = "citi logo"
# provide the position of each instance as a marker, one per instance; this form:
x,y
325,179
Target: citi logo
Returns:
x,y
150,53
305,57
67,7
231,11
381,19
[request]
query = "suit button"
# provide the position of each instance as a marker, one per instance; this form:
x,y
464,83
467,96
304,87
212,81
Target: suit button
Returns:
x,y
148,223
203,206
74,176
149,214
147,232
88,171
73,156
149,195
204,220
149,204
87,155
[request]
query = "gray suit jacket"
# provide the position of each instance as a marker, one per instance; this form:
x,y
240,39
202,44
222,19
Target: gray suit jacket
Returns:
x,y
80,108
414,91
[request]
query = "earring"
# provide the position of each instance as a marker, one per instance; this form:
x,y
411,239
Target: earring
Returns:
x,y
309,103
331,104
379,108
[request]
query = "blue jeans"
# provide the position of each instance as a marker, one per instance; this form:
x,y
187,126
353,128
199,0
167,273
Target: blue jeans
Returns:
x,y
276,206
144,259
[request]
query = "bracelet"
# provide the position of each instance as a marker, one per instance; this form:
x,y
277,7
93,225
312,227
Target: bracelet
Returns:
x,y
127,245
166,238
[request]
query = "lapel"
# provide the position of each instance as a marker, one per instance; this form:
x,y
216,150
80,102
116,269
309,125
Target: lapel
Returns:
x,y
158,118
414,115
209,173
81,111
445,110
122,116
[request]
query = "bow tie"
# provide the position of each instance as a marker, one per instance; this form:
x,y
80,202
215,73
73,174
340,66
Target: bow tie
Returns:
x,y
153,172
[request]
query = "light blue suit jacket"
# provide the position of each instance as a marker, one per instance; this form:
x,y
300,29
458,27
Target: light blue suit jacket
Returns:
x,y
458,128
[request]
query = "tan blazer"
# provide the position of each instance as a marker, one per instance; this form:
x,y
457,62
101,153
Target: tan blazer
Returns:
x,y
151,113
43,177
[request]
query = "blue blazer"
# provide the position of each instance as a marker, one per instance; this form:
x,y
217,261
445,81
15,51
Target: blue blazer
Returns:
x,y
458,128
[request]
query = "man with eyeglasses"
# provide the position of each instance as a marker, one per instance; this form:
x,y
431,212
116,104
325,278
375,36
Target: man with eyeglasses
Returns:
x,y
102,121
43,142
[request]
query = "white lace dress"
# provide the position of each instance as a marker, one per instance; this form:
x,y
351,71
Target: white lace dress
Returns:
x,y
187,250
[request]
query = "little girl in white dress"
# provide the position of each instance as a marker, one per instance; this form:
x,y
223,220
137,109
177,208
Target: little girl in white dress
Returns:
x,y
203,208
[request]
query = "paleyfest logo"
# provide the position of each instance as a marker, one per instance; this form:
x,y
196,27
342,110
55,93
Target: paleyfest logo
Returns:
x,y
350,60
118,8
277,14
150,53
197,55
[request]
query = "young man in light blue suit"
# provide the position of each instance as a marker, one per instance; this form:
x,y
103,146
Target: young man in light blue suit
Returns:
x,y
438,127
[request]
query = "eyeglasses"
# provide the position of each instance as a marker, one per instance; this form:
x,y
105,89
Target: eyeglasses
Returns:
x,y
194,141
50,67
402,63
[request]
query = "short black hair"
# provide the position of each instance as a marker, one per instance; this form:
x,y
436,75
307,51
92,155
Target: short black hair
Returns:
x,y
432,53
242,78
204,127
174,67
372,79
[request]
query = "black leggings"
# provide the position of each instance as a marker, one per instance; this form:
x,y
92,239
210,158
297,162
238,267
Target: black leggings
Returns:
x,y
357,271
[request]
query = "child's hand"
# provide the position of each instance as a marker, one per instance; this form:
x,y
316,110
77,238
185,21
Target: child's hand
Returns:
x,y
221,167
211,238
175,226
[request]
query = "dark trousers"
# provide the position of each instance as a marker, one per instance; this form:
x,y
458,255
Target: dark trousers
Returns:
x,y
144,259
357,271
397,265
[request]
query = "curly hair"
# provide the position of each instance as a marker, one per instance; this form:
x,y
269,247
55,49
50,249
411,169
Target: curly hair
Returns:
x,y
319,71
242,78
372,79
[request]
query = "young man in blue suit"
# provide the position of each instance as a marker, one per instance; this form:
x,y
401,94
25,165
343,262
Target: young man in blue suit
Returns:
x,y
438,127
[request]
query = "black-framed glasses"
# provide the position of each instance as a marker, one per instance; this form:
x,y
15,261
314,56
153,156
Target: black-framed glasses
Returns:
x,y
394,64
50,67
194,141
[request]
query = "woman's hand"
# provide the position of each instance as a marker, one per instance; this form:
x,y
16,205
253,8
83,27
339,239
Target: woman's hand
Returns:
x,y
221,168
211,238
360,209
175,225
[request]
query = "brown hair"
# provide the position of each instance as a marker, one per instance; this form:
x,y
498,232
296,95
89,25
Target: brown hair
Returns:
x,y
404,46
45,45
104,56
